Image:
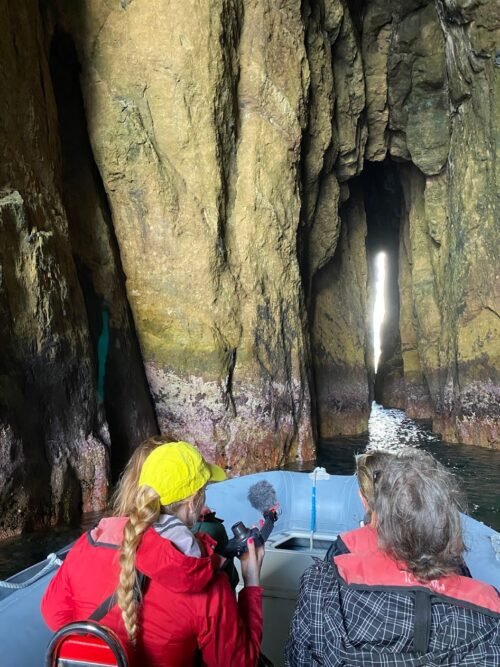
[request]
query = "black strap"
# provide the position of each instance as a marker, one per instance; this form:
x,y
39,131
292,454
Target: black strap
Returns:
x,y
422,615
336,548
103,608
109,602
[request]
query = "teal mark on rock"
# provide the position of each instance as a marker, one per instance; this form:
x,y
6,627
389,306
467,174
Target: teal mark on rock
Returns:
x,y
102,353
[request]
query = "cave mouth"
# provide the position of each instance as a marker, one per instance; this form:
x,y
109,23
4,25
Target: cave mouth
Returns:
x,y
384,208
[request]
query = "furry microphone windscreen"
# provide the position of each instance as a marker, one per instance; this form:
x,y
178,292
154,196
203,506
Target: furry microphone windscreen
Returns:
x,y
262,496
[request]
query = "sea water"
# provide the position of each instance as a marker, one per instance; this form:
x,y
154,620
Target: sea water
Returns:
x,y
478,469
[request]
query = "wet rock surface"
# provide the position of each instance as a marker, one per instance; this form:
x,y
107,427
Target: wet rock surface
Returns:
x,y
53,461
443,111
198,144
54,431
187,234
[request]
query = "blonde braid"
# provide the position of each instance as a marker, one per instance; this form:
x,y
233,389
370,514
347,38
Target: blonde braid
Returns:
x,y
146,511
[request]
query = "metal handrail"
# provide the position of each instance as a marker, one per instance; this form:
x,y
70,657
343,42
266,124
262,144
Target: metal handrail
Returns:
x,y
85,628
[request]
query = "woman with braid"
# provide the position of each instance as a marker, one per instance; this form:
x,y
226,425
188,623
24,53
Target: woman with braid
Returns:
x,y
125,492
185,613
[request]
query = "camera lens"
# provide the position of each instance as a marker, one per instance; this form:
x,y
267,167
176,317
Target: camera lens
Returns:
x,y
239,530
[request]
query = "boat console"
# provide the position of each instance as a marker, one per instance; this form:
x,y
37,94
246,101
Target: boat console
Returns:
x,y
288,554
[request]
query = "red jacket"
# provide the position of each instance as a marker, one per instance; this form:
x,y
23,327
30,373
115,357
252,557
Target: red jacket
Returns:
x,y
188,607
365,540
359,540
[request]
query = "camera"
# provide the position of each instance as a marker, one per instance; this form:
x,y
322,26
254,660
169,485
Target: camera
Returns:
x,y
237,545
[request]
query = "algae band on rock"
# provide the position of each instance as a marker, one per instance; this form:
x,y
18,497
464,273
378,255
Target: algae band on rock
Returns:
x,y
206,187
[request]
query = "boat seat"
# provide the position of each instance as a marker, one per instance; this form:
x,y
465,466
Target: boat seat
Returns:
x,y
85,644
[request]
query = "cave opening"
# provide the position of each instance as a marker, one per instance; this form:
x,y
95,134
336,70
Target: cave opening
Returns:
x,y
384,207
378,306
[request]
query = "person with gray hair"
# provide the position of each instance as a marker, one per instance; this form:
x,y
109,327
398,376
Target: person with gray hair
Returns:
x,y
403,602
417,506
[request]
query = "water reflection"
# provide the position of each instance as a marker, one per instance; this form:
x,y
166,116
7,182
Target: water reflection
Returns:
x,y
392,429
477,467
388,429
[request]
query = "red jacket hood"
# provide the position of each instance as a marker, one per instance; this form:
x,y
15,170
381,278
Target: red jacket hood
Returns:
x,y
160,560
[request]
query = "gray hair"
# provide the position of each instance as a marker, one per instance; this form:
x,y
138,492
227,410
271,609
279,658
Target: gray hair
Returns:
x,y
417,506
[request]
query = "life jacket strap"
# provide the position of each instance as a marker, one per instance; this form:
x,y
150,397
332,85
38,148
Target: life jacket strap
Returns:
x,y
422,621
107,604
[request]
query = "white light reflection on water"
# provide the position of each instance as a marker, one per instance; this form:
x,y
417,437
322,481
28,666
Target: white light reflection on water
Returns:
x,y
392,429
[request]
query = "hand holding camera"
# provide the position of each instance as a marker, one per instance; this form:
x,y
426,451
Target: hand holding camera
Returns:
x,y
251,563
238,544
248,543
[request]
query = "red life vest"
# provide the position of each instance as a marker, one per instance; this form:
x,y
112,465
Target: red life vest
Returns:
x,y
361,539
378,570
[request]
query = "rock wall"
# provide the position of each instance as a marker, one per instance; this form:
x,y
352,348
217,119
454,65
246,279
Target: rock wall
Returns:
x,y
122,388
332,239
74,400
443,117
197,138
53,460
339,327
209,145
188,230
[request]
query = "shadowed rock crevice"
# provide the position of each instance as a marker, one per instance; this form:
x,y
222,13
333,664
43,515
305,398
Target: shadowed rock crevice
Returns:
x,y
339,325
215,189
124,397
383,199
426,68
54,465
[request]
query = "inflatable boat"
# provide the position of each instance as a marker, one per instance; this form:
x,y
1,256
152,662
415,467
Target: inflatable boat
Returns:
x,y
315,508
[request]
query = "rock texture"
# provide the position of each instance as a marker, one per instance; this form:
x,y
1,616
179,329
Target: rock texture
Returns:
x,y
122,389
197,139
443,110
191,198
339,329
53,461
59,282
208,146
333,242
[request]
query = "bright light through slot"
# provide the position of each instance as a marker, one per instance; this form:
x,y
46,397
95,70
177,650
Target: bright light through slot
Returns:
x,y
378,306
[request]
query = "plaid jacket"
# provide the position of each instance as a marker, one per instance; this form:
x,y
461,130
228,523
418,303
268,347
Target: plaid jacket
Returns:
x,y
338,625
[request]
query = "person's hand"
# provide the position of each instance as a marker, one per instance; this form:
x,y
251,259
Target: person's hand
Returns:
x,y
251,563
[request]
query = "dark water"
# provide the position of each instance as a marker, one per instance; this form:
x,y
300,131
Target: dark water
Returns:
x,y
17,553
478,468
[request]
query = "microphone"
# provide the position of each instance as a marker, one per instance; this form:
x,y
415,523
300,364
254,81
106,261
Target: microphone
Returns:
x,y
262,496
